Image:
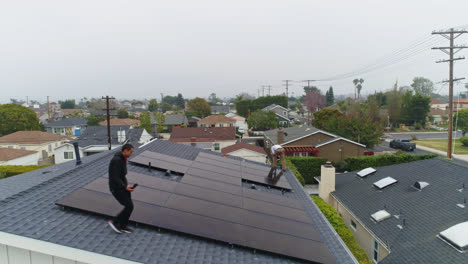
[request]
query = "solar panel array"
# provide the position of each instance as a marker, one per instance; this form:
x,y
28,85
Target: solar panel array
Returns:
x,y
210,202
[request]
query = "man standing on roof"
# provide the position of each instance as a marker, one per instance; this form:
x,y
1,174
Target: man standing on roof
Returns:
x,y
275,151
120,189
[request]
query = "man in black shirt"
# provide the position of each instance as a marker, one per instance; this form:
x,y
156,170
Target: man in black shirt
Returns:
x,y
120,189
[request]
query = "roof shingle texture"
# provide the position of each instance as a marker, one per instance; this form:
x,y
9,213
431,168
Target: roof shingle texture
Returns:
x,y
68,122
120,122
171,120
32,137
426,212
28,209
11,154
215,119
202,134
294,133
97,135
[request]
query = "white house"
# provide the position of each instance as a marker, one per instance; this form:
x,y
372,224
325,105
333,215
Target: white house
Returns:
x,y
18,157
241,125
67,126
246,151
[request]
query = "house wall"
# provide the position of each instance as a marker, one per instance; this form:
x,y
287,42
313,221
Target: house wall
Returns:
x,y
363,236
59,153
249,155
332,151
37,147
26,160
459,106
222,144
220,124
440,106
64,131
281,111
14,255
311,140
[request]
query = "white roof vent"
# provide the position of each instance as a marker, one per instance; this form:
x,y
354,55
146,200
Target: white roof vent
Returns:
x,y
420,185
380,215
365,172
457,236
385,182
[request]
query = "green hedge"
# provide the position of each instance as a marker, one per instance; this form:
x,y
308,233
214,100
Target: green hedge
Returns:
x,y
294,170
464,141
359,163
309,167
346,235
9,170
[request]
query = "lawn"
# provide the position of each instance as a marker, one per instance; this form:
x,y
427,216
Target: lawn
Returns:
x,y
441,144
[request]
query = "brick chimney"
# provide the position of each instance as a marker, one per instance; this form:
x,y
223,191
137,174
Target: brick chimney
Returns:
x,y
280,136
327,181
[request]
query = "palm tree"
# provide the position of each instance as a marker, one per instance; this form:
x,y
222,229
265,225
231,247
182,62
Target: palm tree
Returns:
x,y
357,87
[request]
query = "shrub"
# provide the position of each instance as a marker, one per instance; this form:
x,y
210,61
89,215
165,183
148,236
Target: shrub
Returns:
x,y
359,163
309,167
343,231
464,141
7,171
294,170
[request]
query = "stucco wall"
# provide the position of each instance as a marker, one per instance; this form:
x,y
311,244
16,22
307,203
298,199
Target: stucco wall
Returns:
x,y
26,160
249,155
332,151
14,255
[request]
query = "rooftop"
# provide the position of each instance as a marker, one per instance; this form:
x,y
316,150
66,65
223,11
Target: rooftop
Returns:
x,y
214,119
32,137
294,133
170,120
202,134
121,122
242,145
7,154
68,122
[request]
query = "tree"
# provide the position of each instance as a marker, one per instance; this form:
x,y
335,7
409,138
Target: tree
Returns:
x,y
15,117
122,113
262,120
330,96
199,106
322,117
165,107
180,101
67,104
415,108
461,120
394,105
171,100
244,106
153,105
358,87
145,121
213,100
93,120
160,120
78,113
422,86
311,89
314,101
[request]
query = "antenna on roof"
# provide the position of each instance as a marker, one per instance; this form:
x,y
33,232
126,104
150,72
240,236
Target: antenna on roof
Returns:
x,y
403,224
463,205
400,213
462,188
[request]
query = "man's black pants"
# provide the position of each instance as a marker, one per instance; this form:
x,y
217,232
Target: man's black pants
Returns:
x,y
124,197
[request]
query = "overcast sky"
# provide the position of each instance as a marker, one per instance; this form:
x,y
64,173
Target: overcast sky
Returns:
x,y
139,49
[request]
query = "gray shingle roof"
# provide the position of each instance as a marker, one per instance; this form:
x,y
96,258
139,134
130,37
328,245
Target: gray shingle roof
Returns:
x,y
97,135
294,133
68,122
427,212
33,196
170,120
220,109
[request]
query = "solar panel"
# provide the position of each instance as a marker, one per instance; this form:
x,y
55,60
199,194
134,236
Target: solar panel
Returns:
x,y
167,158
266,181
213,168
214,205
160,164
217,163
219,158
385,182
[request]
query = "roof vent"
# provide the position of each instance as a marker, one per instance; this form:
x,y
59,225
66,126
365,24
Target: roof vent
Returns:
x,y
365,172
385,182
420,185
380,215
456,236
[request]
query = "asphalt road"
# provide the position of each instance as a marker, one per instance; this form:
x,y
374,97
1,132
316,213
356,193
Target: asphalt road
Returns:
x,y
422,135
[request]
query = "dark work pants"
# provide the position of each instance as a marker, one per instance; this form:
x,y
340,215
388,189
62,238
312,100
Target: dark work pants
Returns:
x,y
124,197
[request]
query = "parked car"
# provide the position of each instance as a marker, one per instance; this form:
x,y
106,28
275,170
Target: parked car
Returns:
x,y
403,144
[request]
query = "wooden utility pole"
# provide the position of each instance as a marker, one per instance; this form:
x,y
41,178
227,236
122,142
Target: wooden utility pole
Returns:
x,y
269,89
286,83
451,35
108,120
263,90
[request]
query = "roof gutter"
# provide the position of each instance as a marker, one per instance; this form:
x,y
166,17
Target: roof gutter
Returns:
x,y
56,250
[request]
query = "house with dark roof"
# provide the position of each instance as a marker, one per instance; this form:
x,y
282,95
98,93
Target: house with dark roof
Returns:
x,y
193,121
282,114
246,151
35,227
407,213
220,109
310,141
170,122
67,127
94,140
121,122
18,157
218,137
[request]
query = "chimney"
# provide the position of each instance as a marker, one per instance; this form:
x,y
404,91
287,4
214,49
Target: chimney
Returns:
x,y
280,136
77,153
193,139
327,181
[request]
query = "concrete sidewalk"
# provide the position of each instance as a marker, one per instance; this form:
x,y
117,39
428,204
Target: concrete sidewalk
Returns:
x,y
460,157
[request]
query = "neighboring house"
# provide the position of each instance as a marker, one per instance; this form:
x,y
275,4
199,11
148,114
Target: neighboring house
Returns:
x,y
246,151
18,157
126,103
217,121
310,141
438,113
218,137
170,122
193,121
220,109
67,112
240,121
67,126
34,230
282,114
437,104
460,104
136,111
121,122
94,140
407,213
39,141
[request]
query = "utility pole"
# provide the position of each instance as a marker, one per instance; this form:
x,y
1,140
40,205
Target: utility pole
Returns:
x,y
308,82
451,35
286,83
263,90
258,93
108,119
269,89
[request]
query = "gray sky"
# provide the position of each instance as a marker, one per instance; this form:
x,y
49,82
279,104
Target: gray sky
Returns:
x,y
139,49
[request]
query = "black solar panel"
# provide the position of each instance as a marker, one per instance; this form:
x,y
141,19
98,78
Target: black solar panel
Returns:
x,y
213,205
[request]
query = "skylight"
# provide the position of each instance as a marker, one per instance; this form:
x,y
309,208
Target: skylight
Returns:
x,y
420,185
365,172
457,236
385,182
380,215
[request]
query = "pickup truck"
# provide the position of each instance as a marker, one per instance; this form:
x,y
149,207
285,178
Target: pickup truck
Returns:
x,y
403,144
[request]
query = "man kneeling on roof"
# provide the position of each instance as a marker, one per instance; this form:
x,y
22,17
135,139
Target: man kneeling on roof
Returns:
x,y
277,150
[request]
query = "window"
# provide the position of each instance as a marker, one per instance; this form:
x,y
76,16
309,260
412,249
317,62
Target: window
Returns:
x,y
68,155
23,148
10,147
216,146
221,125
375,256
50,148
230,125
284,113
353,225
